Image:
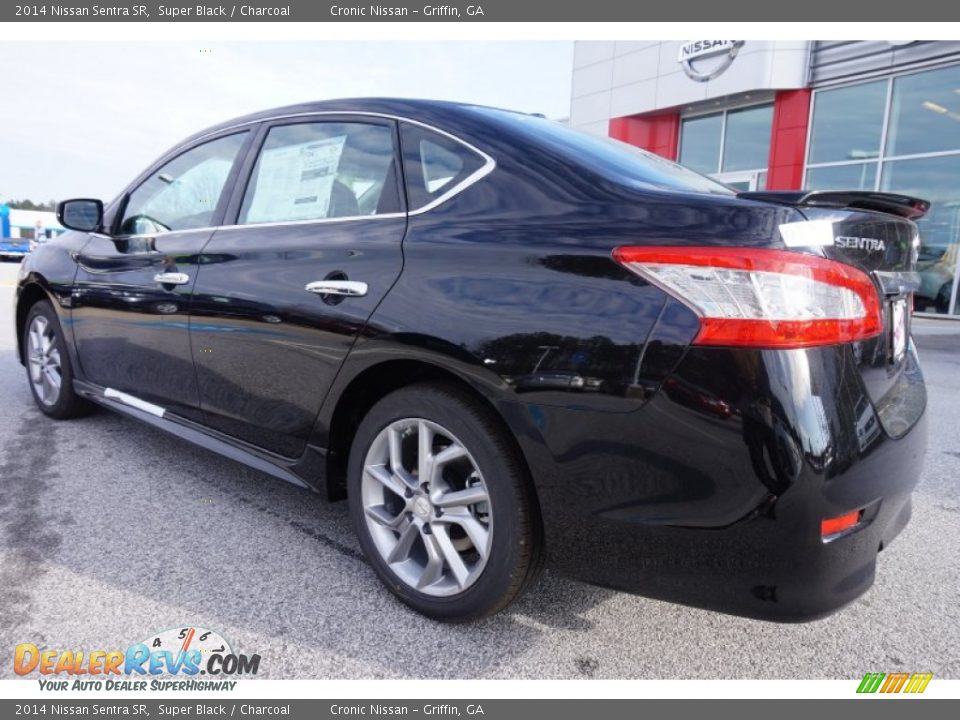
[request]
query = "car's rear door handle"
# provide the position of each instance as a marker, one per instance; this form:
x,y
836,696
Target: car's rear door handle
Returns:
x,y
349,288
171,278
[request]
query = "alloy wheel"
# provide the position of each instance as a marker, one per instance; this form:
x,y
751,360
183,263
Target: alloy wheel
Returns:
x,y
426,507
44,360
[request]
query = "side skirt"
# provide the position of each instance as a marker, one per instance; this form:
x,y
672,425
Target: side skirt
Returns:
x,y
157,417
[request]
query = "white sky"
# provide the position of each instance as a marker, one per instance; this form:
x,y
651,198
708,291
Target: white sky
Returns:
x,y
82,119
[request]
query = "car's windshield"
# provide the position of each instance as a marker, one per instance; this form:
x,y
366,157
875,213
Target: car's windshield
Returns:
x,y
610,158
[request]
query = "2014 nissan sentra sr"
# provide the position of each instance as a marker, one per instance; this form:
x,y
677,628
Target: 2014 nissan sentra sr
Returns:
x,y
505,342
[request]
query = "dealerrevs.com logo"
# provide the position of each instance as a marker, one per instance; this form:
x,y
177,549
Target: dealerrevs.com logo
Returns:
x,y
187,658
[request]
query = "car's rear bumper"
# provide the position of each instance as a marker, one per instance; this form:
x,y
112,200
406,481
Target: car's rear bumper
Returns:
x,y
713,495
772,565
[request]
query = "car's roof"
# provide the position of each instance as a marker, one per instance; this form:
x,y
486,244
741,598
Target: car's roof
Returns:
x,y
437,112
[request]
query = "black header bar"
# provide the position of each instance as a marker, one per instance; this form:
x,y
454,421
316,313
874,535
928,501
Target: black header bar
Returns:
x,y
224,705
482,11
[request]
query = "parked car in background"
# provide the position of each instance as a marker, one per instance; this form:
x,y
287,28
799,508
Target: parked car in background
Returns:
x,y
23,230
13,248
505,342
936,273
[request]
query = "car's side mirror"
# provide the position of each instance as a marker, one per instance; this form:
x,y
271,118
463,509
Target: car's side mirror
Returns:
x,y
82,214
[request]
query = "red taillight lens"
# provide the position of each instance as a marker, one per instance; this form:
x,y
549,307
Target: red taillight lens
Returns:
x,y
762,298
841,523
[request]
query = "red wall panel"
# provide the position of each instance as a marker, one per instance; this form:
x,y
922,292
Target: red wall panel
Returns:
x,y
659,133
788,139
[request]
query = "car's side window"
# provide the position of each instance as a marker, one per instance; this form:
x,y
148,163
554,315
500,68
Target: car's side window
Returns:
x,y
320,170
184,193
434,164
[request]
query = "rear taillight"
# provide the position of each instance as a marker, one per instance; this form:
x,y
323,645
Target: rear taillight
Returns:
x,y
760,297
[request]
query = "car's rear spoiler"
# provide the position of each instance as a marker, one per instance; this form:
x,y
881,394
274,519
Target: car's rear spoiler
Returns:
x,y
901,205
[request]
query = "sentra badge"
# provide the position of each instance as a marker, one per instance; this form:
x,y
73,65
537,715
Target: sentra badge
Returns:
x,y
859,243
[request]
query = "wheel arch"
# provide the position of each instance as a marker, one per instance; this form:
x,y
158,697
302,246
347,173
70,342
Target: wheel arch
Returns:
x,y
29,295
376,381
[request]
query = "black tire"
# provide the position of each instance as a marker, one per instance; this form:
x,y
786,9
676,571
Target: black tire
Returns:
x,y
515,557
68,404
942,304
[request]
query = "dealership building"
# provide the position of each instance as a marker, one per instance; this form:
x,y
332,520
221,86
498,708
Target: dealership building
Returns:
x,y
785,115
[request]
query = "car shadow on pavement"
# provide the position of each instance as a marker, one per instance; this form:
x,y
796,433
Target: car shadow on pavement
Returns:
x,y
233,550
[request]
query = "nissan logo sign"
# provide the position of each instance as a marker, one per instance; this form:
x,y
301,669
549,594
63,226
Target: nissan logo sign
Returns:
x,y
703,60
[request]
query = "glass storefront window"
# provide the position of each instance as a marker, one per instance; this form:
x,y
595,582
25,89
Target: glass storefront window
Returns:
x,y
700,143
887,124
925,113
746,144
934,179
847,123
741,136
862,176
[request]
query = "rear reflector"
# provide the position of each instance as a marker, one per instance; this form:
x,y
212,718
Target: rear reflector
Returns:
x,y
841,523
761,297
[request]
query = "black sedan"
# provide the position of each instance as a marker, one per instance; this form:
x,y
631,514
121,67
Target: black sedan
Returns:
x,y
505,342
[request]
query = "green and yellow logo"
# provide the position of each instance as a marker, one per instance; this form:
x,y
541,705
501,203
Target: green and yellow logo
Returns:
x,y
894,682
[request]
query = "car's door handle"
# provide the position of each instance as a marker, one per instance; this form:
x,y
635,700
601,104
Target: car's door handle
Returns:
x,y
350,288
171,278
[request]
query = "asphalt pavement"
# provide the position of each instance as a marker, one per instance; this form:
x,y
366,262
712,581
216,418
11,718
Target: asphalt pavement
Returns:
x,y
111,531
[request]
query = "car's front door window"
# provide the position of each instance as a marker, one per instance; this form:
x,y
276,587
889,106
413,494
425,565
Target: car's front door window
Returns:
x,y
184,193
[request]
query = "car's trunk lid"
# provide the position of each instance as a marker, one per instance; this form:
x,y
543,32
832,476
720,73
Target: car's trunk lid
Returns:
x,y
874,232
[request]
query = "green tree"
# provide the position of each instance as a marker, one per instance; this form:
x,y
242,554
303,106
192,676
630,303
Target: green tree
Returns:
x,y
26,204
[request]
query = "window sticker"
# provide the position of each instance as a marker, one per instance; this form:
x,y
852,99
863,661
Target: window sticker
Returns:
x,y
296,182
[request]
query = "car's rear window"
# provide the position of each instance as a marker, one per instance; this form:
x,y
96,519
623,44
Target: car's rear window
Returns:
x,y
610,158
